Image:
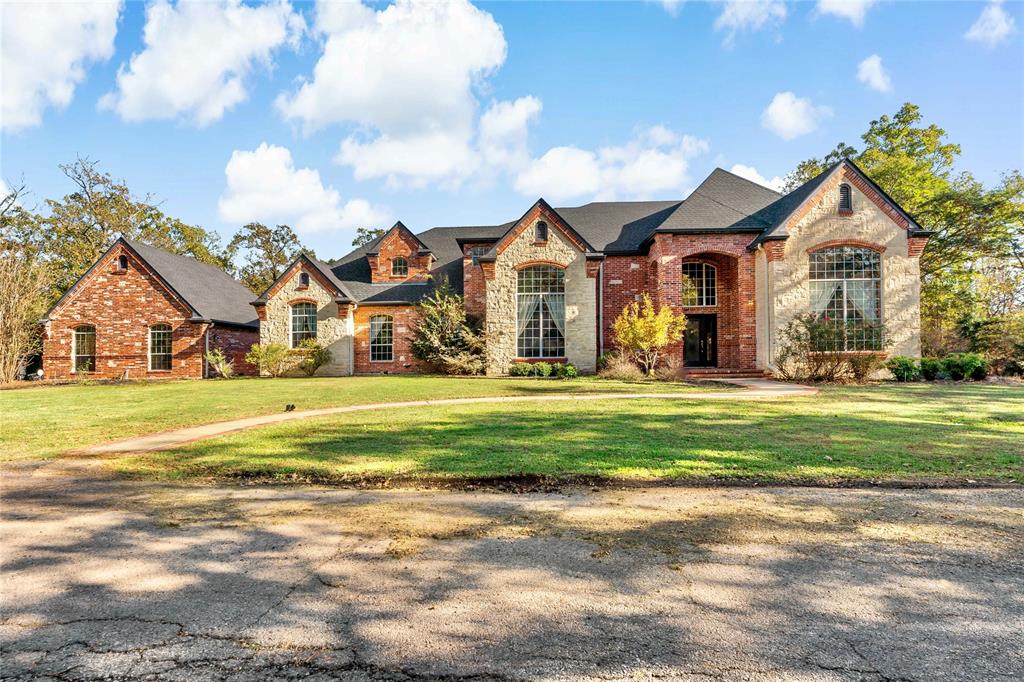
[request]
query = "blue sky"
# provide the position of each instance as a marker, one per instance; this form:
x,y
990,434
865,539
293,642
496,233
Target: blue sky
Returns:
x,y
337,116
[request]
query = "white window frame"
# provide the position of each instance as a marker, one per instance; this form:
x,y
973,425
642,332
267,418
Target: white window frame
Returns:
x,y
714,290
405,266
149,344
880,289
390,346
291,322
542,312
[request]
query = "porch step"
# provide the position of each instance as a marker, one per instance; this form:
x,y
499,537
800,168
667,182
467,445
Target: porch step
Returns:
x,y
724,373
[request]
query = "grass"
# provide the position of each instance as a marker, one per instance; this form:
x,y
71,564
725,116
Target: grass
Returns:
x,y
910,432
46,421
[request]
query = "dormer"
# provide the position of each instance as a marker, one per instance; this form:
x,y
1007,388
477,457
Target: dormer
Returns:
x,y
399,256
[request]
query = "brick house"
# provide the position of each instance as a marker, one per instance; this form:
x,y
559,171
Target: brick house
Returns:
x,y
141,312
739,259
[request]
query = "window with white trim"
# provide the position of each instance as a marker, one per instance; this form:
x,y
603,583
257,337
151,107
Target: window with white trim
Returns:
x,y
399,267
700,285
540,312
83,349
160,347
846,289
382,338
303,321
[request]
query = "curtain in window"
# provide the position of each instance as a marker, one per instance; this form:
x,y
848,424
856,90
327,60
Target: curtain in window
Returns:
x,y
528,306
861,296
555,304
821,294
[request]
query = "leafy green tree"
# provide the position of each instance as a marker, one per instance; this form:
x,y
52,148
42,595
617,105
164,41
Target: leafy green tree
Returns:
x,y
444,338
266,252
643,333
365,235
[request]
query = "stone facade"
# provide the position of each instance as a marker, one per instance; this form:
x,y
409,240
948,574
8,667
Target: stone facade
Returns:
x,y
122,304
786,274
334,327
580,297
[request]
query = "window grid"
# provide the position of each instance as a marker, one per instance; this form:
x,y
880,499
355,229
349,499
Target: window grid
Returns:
x,y
845,198
476,251
700,285
303,279
84,350
540,231
382,338
541,289
303,323
850,278
399,267
160,347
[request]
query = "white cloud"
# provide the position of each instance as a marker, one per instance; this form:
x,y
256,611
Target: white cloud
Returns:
x,y
654,163
503,132
197,58
752,174
789,116
748,15
45,48
993,26
873,74
672,6
854,10
265,185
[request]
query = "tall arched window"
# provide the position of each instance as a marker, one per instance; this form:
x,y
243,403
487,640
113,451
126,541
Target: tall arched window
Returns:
x,y
845,199
399,267
382,338
83,349
160,347
846,289
303,323
540,312
700,284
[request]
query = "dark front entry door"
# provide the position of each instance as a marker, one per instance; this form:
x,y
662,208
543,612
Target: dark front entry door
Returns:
x,y
700,343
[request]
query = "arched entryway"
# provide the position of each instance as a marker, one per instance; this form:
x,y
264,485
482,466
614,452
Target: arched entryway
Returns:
x,y
710,298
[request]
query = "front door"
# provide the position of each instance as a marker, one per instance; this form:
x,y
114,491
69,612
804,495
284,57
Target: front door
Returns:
x,y
700,343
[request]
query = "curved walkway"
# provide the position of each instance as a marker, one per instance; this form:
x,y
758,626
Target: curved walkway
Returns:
x,y
756,389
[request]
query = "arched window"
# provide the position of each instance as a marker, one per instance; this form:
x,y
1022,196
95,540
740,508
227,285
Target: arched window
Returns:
x,y
540,312
540,231
845,199
700,284
846,289
382,338
303,279
303,323
83,349
122,262
399,267
160,347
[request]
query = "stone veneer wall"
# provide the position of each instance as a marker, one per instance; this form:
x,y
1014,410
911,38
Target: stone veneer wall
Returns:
x,y
333,326
580,300
788,279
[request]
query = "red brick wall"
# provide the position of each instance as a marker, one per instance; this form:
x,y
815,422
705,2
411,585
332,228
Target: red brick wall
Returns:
x,y
474,284
122,305
625,278
399,243
235,343
404,323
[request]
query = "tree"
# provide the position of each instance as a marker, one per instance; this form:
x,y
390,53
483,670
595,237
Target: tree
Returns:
x,y
365,235
444,338
82,224
643,334
267,252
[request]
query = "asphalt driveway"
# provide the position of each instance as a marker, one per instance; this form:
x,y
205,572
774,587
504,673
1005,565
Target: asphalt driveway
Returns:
x,y
114,579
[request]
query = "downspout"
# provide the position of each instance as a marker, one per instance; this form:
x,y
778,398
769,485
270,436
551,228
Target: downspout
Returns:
x,y
352,339
600,309
769,312
206,353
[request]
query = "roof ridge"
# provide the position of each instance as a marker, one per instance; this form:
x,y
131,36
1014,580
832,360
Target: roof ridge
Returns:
x,y
740,177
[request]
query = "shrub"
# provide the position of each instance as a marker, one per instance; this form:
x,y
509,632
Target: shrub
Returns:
x,y
673,369
520,369
444,338
271,358
541,369
813,348
965,366
863,365
931,368
314,356
1001,341
643,334
605,358
904,368
621,368
566,370
219,363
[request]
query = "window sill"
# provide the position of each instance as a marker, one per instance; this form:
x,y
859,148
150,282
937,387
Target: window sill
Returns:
x,y
846,214
543,243
561,358
381,362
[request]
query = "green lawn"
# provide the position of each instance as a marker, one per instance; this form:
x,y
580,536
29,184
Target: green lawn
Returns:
x,y
846,433
46,421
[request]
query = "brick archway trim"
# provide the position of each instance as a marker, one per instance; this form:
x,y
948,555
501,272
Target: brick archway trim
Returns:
x,y
846,242
533,263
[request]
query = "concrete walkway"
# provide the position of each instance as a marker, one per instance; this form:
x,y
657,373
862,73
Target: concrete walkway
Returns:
x,y
756,389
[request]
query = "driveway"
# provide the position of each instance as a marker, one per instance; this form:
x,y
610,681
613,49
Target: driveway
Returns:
x,y
105,578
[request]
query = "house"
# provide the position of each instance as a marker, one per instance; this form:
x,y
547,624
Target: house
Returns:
x,y
739,259
141,312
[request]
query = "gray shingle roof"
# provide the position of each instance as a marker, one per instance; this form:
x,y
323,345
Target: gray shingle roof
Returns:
x,y
211,292
722,201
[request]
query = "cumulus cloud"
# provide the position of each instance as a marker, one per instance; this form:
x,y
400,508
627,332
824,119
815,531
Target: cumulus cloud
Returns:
x,y
654,163
789,116
854,10
752,174
197,58
873,74
993,25
45,48
672,6
264,185
748,15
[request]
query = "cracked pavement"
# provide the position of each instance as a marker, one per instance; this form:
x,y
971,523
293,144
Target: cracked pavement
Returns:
x,y
114,579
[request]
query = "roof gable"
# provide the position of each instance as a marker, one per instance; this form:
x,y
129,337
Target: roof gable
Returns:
x,y
404,233
320,271
540,210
